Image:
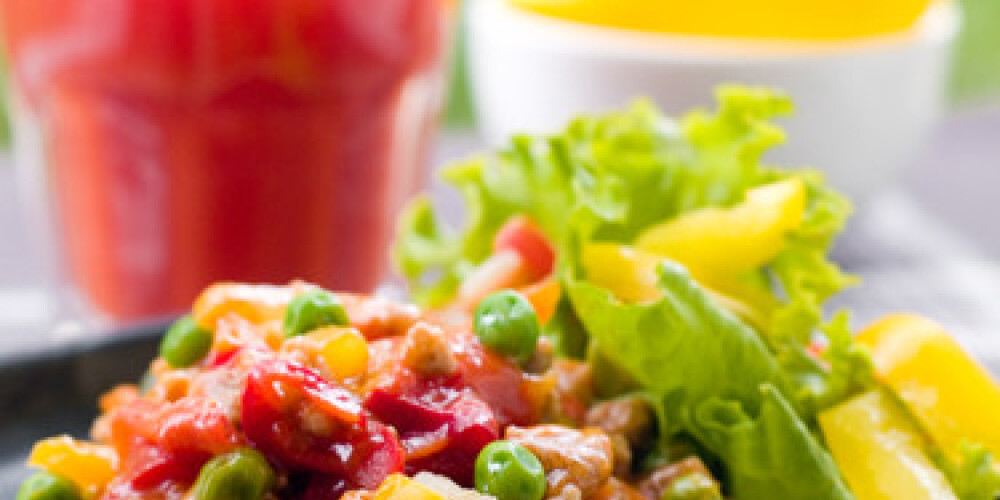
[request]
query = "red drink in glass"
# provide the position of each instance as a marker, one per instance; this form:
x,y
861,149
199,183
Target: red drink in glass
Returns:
x,y
191,141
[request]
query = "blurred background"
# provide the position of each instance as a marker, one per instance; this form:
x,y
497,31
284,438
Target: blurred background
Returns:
x,y
143,158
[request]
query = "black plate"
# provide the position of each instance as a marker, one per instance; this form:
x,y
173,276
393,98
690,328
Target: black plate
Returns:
x,y
50,393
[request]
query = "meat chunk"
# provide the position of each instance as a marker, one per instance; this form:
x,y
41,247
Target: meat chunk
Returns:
x,y
577,462
616,489
628,421
426,351
541,360
572,391
657,482
377,317
629,416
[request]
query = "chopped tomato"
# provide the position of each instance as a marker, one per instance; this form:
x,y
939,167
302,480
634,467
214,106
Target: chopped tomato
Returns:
x,y
325,487
155,467
522,236
196,425
507,390
442,426
302,421
164,445
497,381
151,471
187,427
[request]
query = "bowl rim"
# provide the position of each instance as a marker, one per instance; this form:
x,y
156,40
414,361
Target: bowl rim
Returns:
x,y
938,26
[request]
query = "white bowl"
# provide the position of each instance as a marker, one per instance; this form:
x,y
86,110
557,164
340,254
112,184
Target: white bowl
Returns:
x,y
862,107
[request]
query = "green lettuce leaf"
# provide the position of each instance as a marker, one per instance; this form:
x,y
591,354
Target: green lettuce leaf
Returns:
x,y
620,173
843,369
803,271
609,177
974,475
772,455
712,377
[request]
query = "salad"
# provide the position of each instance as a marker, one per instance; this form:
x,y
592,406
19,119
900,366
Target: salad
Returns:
x,y
632,310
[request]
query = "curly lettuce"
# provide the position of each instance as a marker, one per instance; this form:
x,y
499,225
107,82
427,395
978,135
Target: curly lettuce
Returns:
x,y
741,391
974,474
710,376
621,173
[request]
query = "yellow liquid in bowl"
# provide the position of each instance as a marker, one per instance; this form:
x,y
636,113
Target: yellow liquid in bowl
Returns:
x,y
762,19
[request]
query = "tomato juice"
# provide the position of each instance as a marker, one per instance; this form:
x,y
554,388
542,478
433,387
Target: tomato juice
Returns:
x,y
192,141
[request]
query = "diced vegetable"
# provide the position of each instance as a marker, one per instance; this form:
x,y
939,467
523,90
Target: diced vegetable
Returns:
x,y
952,395
544,297
447,488
44,485
729,241
506,269
628,273
712,378
89,466
521,235
185,343
508,471
400,487
880,452
293,415
241,475
314,309
506,323
442,428
254,303
631,275
344,351
693,486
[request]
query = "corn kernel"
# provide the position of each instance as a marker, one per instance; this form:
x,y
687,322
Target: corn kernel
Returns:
x,y
88,465
344,351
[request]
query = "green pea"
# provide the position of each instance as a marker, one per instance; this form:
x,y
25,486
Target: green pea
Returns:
x,y
693,486
241,475
185,343
44,485
506,323
508,471
312,310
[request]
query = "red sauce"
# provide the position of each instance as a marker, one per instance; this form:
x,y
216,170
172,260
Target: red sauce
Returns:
x,y
192,141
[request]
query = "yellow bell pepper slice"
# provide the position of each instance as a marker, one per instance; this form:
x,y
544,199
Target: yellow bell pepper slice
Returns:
x,y
880,452
90,466
631,275
400,487
952,395
713,242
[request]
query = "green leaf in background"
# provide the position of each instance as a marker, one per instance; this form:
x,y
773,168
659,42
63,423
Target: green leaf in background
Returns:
x,y
976,73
